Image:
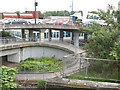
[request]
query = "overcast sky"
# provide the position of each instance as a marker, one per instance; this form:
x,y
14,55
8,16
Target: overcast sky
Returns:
x,y
54,5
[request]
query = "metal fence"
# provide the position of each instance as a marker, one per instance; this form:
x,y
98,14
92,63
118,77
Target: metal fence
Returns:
x,y
102,69
71,63
51,67
92,68
5,41
46,71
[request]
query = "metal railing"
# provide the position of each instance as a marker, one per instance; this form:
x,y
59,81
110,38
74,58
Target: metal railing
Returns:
x,y
14,41
11,41
92,68
42,68
5,41
71,63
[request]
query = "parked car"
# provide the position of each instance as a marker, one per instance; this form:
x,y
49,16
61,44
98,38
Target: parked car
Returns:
x,y
32,21
58,22
18,21
1,21
6,21
78,24
68,22
51,21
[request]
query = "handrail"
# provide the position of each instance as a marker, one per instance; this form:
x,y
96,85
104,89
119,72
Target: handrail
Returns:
x,y
101,59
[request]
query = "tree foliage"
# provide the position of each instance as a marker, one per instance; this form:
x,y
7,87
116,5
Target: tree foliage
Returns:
x,y
109,16
104,41
17,11
58,13
101,44
115,53
4,33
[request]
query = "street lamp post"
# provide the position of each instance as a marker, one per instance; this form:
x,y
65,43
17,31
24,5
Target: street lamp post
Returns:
x,y
72,7
35,11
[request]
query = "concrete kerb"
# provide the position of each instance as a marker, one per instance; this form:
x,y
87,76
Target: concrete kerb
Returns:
x,y
84,84
94,84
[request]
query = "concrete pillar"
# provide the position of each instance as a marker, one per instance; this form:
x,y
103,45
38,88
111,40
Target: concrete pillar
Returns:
x,y
76,39
40,35
61,35
50,35
23,33
30,34
72,36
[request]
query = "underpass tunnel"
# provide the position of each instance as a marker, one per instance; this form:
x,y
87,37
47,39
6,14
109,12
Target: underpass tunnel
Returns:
x,y
4,61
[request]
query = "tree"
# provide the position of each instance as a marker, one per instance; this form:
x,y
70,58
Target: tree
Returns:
x,y
101,43
109,16
103,40
39,12
57,13
17,11
81,12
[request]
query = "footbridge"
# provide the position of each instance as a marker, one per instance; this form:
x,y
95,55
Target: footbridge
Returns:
x,y
41,28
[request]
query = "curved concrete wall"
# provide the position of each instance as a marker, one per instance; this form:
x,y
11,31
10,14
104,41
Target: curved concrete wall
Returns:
x,y
22,53
40,51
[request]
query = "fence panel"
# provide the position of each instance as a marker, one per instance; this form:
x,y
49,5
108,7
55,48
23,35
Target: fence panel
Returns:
x,y
71,64
101,69
57,66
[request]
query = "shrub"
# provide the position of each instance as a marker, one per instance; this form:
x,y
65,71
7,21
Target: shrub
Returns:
x,y
7,77
115,53
41,84
5,34
39,64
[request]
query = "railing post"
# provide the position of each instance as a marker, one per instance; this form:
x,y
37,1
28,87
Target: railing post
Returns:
x,y
10,40
80,61
51,67
63,67
24,68
4,42
86,67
